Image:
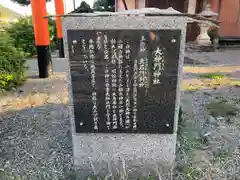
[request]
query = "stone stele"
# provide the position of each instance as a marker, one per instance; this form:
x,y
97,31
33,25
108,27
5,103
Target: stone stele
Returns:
x,y
107,153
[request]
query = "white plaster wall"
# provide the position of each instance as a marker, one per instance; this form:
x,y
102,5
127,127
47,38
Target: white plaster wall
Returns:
x,y
131,4
140,4
192,6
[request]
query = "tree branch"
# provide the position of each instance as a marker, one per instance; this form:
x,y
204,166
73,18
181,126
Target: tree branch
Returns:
x,y
125,4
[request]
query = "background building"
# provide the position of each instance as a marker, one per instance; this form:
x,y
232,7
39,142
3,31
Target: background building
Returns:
x,y
228,14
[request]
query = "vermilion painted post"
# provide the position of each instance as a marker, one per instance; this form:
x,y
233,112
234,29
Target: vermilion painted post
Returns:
x,y
59,8
42,39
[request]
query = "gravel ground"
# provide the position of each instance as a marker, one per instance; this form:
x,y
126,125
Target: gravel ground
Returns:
x,y
222,57
221,134
223,137
35,131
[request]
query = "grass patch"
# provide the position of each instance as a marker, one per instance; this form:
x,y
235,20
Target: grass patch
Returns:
x,y
208,83
121,178
190,143
235,83
6,174
221,155
212,76
221,109
196,155
192,87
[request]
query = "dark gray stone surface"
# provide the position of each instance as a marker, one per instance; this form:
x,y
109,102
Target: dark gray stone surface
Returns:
x,y
155,104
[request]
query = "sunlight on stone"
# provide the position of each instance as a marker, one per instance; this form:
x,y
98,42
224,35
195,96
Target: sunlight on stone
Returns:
x,y
218,69
198,83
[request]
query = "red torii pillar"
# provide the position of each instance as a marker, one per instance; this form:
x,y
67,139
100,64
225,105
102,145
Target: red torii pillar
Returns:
x,y
42,39
59,8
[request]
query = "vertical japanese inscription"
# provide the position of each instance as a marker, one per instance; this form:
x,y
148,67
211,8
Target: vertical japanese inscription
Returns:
x,y
98,42
158,65
73,47
143,64
107,83
135,90
114,83
127,96
85,56
120,82
93,82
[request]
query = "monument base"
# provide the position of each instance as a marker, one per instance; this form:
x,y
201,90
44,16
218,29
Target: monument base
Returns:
x,y
136,154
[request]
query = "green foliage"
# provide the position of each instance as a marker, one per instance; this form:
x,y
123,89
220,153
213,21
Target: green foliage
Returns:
x,y
12,64
104,5
212,76
52,33
23,34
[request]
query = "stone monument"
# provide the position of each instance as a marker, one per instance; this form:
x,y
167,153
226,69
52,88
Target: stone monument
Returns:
x,y
124,89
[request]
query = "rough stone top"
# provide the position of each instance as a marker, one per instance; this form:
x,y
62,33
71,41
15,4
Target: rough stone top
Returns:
x,y
142,11
188,18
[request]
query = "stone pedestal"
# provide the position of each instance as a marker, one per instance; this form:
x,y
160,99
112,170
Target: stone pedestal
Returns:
x,y
203,39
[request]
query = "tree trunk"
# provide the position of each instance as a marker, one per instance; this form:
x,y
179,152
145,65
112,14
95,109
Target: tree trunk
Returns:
x,y
125,4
